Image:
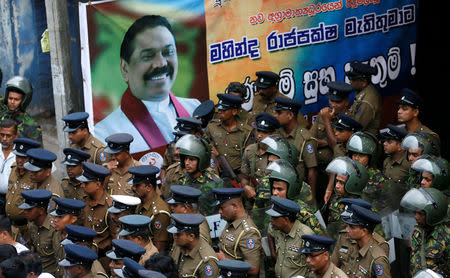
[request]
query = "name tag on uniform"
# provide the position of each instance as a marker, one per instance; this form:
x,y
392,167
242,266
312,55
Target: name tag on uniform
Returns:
x,y
343,250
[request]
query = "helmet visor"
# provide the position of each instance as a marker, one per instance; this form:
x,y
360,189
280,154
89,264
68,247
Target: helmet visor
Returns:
x,y
186,142
411,142
339,166
356,144
273,144
425,165
416,199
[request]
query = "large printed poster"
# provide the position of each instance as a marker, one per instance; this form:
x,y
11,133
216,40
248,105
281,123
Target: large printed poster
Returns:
x,y
307,43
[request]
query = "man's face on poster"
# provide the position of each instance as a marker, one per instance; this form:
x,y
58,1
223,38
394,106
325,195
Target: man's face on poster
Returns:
x,y
153,66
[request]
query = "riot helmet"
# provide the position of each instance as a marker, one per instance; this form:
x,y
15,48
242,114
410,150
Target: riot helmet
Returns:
x,y
21,85
357,175
195,146
431,200
283,170
437,166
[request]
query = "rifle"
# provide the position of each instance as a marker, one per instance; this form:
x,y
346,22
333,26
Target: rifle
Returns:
x,y
226,169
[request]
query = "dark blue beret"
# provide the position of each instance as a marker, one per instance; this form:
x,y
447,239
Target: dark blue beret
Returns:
x,y
133,223
35,198
266,122
67,206
125,248
130,269
93,172
393,132
150,274
75,120
184,221
204,109
338,91
226,193
77,255
284,103
282,207
361,216
22,145
39,159
347,123
233,268
75,156
142,174
315,243
118,142
360,70
410,98
227,101
266,79
188,124
78,234
182,194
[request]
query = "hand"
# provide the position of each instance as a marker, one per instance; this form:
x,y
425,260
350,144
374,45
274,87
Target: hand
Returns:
x,y
112,164
249,192
326,113
221,256
327,196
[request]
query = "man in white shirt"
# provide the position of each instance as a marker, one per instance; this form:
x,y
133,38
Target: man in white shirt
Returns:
x,y
8,132
148,110
5,235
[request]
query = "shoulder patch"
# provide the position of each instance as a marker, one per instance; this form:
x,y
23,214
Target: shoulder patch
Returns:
x,y
310,148
250,243
102,157
157,225
378,269
213,163
209,271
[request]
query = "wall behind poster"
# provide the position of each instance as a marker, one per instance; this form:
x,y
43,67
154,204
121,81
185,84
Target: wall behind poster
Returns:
x,y
107,23
310,43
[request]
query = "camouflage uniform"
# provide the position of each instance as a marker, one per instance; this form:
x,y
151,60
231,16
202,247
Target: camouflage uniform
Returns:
x,y
262,203
430,249
205,183
27,127
376,192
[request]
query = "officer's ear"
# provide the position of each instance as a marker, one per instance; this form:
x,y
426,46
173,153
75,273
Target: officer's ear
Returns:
x,y
124,70
234,111
416,112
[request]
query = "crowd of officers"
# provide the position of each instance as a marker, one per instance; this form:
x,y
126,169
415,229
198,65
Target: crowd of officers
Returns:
x,y
296,200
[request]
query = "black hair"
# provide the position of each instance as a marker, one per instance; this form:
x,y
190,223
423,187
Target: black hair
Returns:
x,y
292,217
13,268
194,231
141,24
7,251
5,224
32,262
237,87
145,234
163,264
8,123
